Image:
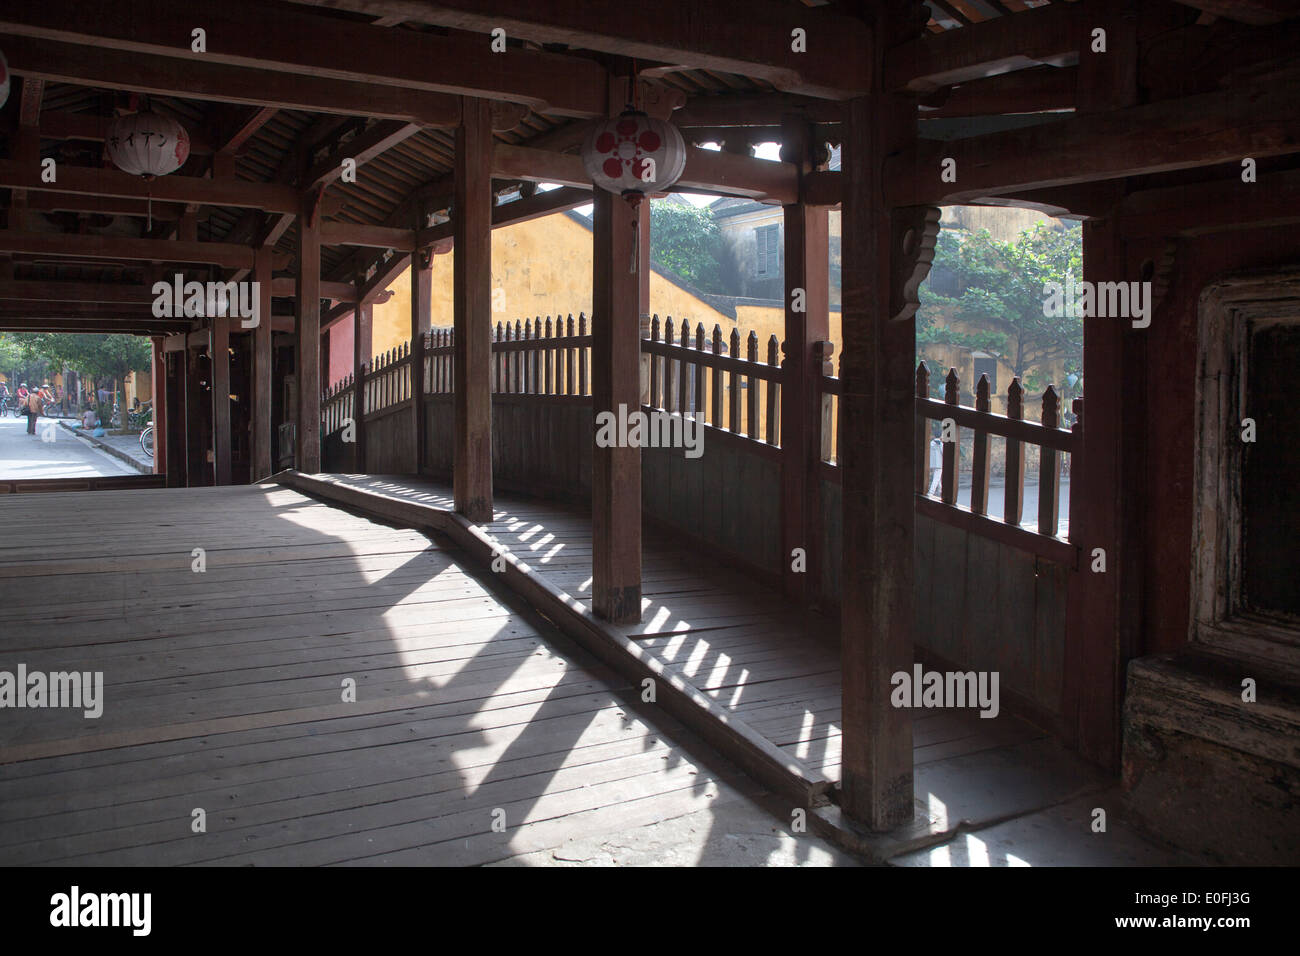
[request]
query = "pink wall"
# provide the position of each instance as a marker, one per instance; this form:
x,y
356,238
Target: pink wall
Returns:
x,y
341,350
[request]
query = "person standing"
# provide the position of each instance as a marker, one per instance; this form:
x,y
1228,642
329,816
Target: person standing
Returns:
x,y
33,410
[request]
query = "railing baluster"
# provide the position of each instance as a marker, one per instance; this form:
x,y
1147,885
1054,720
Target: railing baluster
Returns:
x,y
697,399
1049,469
716,377
922,449
684,370
569,369
733,380
670,365
582,355
773,390
654,363
751,387
979,480
1015,490
949,486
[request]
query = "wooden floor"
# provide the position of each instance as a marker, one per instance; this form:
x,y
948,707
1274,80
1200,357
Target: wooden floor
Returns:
x,y
767,665
223,688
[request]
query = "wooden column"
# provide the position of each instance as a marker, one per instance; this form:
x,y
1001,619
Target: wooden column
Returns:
x,y
1104,607
361,343
177,458
158,379
472,282
197,470
876,462
615,382
807,322
307,309
421,303
262,385
220,355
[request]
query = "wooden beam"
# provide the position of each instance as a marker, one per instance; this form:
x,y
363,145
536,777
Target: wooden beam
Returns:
x,y
754,109
58,124
241,34
307,315
673,31
272,197
1220,127
113,247
198,79
286,287
362,234
373,142
706,170
104,205
244,128
262,385
1034,90
472,282
1197,209
1046,36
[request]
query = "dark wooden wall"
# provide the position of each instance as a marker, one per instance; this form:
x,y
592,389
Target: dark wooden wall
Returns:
x,y
1169,415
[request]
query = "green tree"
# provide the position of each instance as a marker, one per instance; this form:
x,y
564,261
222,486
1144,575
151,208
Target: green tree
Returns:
x,y
685,239
1002,295
102,358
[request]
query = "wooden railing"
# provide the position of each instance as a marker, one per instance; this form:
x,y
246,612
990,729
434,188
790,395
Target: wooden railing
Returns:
x,y
711,383
696,375
336,404
1051,442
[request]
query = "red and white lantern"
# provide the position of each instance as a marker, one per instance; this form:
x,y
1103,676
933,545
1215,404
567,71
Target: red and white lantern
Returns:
x,y
634,155
4,80
146,144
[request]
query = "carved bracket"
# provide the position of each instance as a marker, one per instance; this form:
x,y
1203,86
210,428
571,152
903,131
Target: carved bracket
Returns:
x,y
913,231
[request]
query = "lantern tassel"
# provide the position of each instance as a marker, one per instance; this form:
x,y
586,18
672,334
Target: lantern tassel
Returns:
x,y
636,247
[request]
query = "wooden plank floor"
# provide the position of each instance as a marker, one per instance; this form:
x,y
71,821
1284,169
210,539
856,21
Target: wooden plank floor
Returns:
x,y
737,641
223,690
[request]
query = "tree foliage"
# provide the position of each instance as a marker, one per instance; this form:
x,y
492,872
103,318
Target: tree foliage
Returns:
x,y
96,356
1002,296
686,240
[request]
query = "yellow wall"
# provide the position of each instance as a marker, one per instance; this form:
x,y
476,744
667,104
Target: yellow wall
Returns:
x,y
539,268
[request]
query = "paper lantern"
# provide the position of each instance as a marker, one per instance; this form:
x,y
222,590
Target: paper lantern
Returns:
x,y
4,80
634,155
146,144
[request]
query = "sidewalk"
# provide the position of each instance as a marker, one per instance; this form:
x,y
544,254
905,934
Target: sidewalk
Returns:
x,y
126,448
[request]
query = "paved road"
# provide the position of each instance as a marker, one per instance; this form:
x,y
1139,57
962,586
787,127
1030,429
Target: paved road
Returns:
x,y
1029,514
25,456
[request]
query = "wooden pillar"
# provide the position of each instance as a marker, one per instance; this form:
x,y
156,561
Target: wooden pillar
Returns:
x,y
876,464
643,304
1104,607
472,282
220,355
615,382
807,322
178,457
307,308
262,386
421,303
197,471
361,339
158,380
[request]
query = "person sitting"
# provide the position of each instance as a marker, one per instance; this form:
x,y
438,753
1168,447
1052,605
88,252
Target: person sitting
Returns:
x,y
88,420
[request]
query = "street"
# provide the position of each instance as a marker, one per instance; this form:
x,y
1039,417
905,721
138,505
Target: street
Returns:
x,y
27,456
